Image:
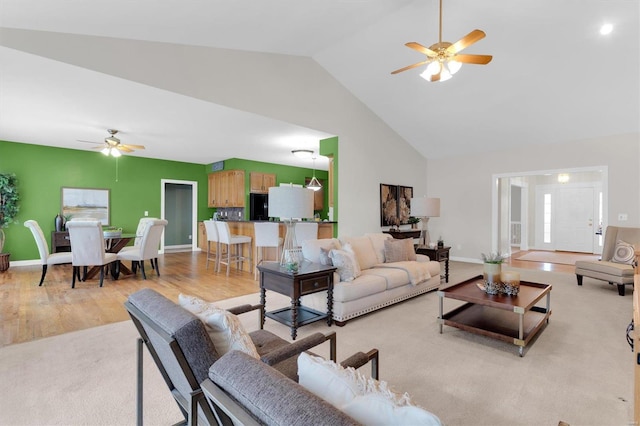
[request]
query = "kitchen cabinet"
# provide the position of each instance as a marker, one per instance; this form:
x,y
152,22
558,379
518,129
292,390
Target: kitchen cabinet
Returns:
x,y
259,183
226,189
318,196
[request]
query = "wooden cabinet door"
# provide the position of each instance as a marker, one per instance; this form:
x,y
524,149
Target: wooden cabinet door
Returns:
x,y
213,183
268,180
236,188
255,182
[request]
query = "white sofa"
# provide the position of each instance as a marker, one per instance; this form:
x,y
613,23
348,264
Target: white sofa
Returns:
x,y
380,283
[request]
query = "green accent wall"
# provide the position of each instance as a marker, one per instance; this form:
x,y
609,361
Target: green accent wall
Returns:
x,y
329,148
284,174
42,171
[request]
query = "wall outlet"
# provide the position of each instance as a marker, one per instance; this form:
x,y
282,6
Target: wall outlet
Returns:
x,y
623,216
146,213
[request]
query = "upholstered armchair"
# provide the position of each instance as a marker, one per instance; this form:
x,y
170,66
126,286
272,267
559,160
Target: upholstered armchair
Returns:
x,y
618,259
147,249
45,257
181,347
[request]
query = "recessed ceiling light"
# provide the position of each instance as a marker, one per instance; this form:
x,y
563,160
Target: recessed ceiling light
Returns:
x,y
606,29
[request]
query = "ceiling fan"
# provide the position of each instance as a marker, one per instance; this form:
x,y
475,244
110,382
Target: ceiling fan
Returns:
x,y
444,58
112,146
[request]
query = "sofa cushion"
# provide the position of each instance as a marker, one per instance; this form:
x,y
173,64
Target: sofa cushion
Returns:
x,y
604,267
311,248
399,250
362,286
363,249
393,277
624,253
269,396
345,261
367,400
377,240
225,329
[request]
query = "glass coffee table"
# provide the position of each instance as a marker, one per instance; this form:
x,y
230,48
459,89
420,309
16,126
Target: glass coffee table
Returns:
x,y
514,319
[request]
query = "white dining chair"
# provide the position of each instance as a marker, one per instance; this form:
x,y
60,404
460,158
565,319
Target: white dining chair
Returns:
x,y
147,249
266,235
233,247
88,247
46,258
306,231
212,237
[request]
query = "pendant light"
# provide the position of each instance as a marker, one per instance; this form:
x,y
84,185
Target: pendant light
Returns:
x,y
314,183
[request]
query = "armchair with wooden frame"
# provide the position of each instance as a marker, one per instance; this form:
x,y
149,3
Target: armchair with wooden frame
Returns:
x,y
183,351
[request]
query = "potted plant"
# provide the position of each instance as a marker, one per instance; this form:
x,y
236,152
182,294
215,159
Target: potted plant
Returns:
x,y
8,211
492,270
413,221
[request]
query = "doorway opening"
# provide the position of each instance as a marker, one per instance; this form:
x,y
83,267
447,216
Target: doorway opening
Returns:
x,y
179,200
552,210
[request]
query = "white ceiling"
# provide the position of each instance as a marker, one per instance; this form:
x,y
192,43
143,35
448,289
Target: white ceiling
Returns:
x,y
553,78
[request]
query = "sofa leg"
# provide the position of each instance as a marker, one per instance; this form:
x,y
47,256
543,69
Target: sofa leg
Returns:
x,y
579,278
339,323
621,289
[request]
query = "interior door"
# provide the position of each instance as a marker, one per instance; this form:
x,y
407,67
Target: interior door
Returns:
x,y
574,219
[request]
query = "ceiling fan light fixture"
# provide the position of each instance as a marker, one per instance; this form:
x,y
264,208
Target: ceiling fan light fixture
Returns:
x,y
314,184
115,152
454,66
106,150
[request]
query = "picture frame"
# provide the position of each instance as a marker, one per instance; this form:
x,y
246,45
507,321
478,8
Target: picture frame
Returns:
x,y
91,203
405,194
388,204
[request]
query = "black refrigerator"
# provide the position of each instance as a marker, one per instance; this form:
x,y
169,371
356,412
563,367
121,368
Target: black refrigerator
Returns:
x,y
259,206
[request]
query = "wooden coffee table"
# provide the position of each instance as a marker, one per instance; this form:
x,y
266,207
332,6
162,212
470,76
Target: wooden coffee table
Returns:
x,y
513,319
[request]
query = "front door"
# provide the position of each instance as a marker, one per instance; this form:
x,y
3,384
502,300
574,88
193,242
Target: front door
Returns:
x,y
574,219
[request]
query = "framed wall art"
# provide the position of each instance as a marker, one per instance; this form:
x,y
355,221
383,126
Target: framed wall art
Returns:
x,y
86,203
405,193
395,204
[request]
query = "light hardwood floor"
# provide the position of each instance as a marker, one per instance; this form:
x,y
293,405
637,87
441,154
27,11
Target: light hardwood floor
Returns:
x,y
29,312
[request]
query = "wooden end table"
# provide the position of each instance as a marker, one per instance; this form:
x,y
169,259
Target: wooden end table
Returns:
x,y
514,319
310,278
439,254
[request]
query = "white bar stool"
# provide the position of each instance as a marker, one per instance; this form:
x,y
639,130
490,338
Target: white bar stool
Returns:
x,y
266,234
212,237
235,241
306,231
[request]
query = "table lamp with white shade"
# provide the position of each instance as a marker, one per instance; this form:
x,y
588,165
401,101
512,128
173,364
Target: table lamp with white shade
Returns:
x,y
424,208
290,203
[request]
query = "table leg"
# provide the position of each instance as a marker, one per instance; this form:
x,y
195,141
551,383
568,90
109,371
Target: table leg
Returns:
x,y
441,299
263,299
446,270
330,306
548,305
521,332
294,319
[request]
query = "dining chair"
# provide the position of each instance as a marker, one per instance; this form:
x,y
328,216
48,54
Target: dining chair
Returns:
x,y
147,249
139,231
88,247
306,231
234,244
45,257
212,237
266,234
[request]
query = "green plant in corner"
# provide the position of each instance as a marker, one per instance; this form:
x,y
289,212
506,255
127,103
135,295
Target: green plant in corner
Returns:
x,y
492,257
8,203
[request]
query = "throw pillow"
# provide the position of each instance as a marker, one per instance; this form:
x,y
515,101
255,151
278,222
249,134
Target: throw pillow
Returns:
x,y
225,329
399,250
346,263
368,401
624,253
324,257
364,251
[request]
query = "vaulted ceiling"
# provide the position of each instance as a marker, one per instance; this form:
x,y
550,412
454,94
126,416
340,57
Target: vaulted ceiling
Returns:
x,y
553,77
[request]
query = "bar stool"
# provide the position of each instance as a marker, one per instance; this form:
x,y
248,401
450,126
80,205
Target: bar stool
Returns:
x,y
235,241
266,234
212,237
306,231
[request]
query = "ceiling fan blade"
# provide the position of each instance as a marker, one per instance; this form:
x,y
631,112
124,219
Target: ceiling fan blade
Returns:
x,y
409,67
420,48
124,148
133,146
472,59
96,143
466,41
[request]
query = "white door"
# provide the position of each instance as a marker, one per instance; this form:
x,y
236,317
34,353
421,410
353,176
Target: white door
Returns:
x,y
574,219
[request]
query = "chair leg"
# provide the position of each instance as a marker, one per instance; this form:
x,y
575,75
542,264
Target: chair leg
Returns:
x,y
73,276
154,265
44,272
579,278
144,275
621,289
101,275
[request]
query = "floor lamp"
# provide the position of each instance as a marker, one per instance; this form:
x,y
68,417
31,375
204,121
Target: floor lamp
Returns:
x,y
424,208
290,203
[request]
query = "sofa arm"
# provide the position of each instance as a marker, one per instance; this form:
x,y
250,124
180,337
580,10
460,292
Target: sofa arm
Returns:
x,y
422,258
359,359
296,348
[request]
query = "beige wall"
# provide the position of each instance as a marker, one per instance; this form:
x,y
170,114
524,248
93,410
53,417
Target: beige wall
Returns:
x,y
464,185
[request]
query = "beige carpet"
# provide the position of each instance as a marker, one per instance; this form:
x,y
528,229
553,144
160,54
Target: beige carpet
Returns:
x,y
563,258
579,369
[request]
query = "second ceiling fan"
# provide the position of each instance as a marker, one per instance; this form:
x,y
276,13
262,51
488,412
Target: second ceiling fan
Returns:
x,y
444,58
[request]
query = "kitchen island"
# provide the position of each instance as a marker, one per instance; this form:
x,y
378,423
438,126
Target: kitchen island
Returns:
x,y
245,227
